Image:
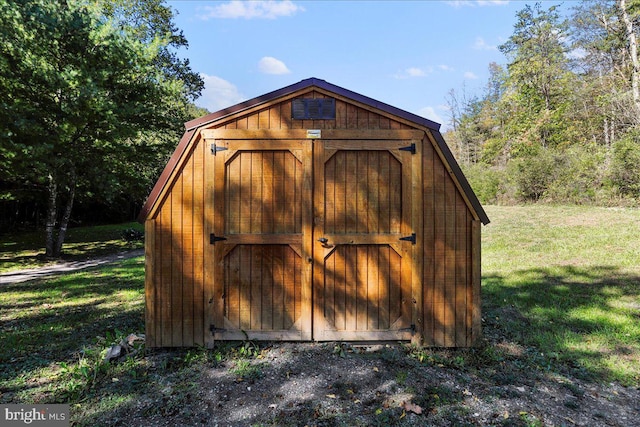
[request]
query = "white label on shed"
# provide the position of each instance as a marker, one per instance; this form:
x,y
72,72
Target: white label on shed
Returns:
x,y
314,133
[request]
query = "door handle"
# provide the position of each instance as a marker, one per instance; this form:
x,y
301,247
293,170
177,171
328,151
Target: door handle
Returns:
x,y
323,240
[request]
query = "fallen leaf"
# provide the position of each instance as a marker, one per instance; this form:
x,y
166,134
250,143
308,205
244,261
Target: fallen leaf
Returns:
x,y
331,396
412,407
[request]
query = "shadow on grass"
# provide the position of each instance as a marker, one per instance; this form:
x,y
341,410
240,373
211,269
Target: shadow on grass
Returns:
x,y
48,322
582,319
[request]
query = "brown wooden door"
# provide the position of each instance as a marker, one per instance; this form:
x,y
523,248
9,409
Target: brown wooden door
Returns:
x,y
362,251
262,197
311,236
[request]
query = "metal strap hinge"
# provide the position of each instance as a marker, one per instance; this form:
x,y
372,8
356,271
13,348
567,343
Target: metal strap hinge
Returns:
x,y
411,148
216,148
411,238
213,239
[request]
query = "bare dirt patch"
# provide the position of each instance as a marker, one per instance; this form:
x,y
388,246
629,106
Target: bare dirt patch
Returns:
x,y
333,384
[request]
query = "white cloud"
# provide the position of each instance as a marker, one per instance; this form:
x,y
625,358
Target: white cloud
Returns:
x,y
218,94
271,65
415,72
431,114
259,9
469,75
445,67
480,44
412,72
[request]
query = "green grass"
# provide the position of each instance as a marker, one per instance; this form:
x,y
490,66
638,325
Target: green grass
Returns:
x,y
561,299
26,250
563,285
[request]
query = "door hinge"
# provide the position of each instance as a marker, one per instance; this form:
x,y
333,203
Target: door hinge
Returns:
x,y
411,328
213,329
213,239
411,148
411,238
216,148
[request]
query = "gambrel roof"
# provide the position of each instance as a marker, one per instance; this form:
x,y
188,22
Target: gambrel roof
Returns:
x,y
193,126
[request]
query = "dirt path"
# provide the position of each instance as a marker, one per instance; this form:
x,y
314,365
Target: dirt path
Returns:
x,y
64,267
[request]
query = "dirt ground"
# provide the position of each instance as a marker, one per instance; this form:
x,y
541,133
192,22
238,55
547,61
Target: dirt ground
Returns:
x,y
329,384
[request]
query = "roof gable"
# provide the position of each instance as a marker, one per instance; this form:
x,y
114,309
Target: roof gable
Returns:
x,y
312,83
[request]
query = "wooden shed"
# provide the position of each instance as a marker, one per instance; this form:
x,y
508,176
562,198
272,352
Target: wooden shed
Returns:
x,y
312,213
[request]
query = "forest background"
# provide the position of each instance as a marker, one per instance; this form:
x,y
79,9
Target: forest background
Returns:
x,y
94,94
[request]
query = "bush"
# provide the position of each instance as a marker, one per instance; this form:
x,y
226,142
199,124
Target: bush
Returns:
x,y
625,165
534,174
580,177
131,235
485,180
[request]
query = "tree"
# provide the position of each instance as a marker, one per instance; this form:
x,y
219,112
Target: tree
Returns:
x,y
539,76
629,10
79,83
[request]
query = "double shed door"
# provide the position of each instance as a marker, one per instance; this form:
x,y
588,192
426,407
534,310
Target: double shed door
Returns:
x,y
312,237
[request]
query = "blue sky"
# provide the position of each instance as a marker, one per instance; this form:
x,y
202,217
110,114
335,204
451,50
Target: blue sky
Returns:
x,y
409,54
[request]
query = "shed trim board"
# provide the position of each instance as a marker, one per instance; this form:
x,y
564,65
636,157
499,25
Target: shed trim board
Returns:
x,y
357,228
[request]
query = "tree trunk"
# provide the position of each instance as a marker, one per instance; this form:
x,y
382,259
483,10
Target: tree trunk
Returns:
x,y
64,222
633,52
52,209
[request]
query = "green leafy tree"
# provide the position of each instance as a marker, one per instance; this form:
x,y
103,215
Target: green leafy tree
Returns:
x,y
80,83
539,80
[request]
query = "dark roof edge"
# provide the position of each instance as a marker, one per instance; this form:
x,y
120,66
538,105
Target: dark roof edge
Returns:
x,y
307,83
464,183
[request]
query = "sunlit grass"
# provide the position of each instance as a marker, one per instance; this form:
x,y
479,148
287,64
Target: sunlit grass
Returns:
x,y
26,250
572,275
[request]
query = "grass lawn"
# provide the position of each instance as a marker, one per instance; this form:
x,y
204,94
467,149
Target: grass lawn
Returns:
x,y
26,250
561,299
564,284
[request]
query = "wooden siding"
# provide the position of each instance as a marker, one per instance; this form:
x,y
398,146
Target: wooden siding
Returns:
x,y
184,293
448,295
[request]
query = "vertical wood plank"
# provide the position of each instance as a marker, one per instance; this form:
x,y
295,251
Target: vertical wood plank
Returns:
x,y
278,283
461,272
417,216
384,208
233,193
341,288
176,262
361,192
384,283
429,243
373,183
340,193
232,288
341,114
313,279
439,298
256,193
351,286
362,299
268,194
268,276
279,178
275,120
450,263
166,274
255,301
308,212
373,294
187,254
476,278
246,207
286,279
245,286
351,172
216,177
400,201
198,244
150,279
